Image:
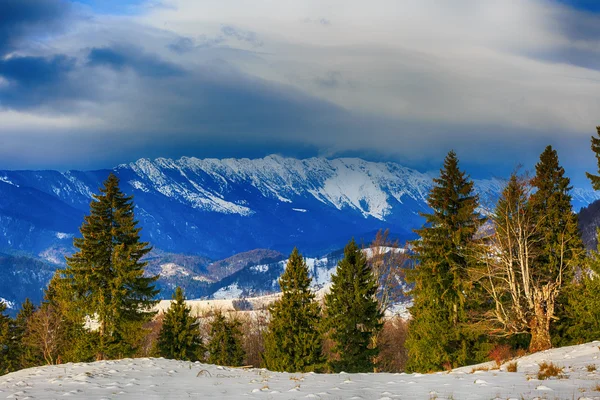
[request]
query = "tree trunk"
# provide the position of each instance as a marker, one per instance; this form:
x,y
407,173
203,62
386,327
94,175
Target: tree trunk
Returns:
x,y
540,323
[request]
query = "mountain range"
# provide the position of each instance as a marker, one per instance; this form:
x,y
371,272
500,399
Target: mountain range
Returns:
x,y
199,213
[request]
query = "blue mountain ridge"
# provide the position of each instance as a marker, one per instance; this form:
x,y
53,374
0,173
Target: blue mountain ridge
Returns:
x,y
213,209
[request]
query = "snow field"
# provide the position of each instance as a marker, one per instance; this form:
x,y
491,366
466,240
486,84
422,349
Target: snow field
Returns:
x,y
147,378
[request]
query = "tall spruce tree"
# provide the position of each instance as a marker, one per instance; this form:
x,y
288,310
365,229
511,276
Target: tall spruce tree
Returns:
x,y
595,179
579,305
5,341
352,314
439,334
27,355
180,336
106,275
559,248
293,341
225,344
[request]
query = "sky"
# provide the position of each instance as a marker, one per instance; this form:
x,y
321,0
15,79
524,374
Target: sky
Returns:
x,y
90,84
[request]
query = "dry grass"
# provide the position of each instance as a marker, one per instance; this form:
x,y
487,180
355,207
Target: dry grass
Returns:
x,y
511,367
591,367
482,368
549,370
596,388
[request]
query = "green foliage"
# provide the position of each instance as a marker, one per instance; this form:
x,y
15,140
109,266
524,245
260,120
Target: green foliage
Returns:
x,y
440,335
106,276
293,341
595,179
560,247
5,341
180,337
352,314
56,332
580,305
27,355
225,344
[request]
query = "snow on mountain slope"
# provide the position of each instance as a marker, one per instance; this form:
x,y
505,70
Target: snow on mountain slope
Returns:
x,y
366,187
218,208
151,378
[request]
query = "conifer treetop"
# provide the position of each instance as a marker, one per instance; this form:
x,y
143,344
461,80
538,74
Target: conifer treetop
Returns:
x,y
595,179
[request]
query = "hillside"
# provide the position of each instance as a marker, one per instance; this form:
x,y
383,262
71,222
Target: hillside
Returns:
x,y
151,378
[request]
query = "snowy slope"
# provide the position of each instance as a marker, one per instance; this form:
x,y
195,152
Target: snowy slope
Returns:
x,y
147,378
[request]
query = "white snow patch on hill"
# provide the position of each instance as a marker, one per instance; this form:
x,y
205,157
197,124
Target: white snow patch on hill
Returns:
x,y
9,304
228,292
172,269
148,378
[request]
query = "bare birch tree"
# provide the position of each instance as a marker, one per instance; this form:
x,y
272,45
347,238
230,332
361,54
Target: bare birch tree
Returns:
x,y
524,299
388,260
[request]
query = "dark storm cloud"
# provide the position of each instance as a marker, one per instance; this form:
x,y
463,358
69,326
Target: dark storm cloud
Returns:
x,y
580,31
144,64
29,72
34,81
22,18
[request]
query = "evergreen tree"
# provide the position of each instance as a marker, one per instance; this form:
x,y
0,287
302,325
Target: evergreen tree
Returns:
x,y
56,331
439,333
27,355
579,306
5,340
180,337
293,341
225,344
595,179
106,275
559,247
352,314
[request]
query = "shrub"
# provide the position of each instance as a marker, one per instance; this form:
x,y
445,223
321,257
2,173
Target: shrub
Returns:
x,y
501,353
548,370
591,367
511,367
241,305
521,353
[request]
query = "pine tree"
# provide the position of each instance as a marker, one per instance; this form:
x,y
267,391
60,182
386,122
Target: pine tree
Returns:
x,y
27,355
56,331
579,306
180,336
225,344
5,340
439,334
293,342
106,275
352,314
559,247
595,179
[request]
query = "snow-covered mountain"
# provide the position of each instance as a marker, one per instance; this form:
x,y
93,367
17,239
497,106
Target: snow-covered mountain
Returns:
x,y
214,209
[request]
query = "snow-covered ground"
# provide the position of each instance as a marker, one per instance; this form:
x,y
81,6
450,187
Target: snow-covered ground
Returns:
x,y
147,378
